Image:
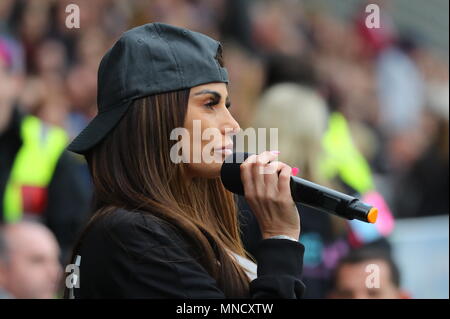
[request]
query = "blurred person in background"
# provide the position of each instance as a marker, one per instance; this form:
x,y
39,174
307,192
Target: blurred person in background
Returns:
x,y
412,122
422,184
37,177
347,143
422,189
361,269
29,261
343,160
401,89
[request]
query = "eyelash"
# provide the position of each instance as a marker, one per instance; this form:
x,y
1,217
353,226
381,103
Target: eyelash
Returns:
x,y
213,103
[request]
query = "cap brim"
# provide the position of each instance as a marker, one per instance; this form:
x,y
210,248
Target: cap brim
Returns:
x,y
97,129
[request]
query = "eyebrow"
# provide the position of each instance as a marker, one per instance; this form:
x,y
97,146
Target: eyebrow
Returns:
x,y
216,94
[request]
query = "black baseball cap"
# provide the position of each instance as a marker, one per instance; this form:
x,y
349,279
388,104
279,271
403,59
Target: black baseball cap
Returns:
x,y
149,59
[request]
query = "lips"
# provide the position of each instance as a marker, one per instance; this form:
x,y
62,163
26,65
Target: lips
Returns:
x,y
227,149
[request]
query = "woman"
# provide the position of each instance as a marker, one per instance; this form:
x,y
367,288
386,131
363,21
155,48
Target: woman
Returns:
x,y
168,229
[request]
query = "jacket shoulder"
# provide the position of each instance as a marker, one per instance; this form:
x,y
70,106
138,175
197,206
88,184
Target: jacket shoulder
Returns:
x,y
139,231
129,254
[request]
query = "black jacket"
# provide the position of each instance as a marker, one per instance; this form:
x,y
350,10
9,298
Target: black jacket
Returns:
x,y
133,255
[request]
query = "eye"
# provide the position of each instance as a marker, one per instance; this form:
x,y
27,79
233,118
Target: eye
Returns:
x,y
210,103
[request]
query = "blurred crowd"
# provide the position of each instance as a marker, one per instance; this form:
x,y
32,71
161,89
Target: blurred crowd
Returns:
x,y
365,111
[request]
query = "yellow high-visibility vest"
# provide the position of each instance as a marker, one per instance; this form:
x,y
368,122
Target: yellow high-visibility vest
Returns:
x,y
34,165
342,158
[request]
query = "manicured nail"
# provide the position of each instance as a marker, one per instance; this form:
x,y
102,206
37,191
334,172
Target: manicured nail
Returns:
x,y
294,171
275,152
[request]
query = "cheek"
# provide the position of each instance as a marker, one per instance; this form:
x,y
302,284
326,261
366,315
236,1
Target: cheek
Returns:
x,y
22,275
200,123
202,115
202,129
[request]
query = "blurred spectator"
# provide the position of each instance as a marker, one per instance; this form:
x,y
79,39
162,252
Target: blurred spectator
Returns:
x,y
301,116
402,95
367,273
423,188
37,178
29,264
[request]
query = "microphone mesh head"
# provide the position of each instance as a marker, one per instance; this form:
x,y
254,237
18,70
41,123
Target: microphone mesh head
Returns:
x,y
230,173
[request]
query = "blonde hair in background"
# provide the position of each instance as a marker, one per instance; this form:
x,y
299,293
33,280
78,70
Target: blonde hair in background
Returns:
x,y
301,116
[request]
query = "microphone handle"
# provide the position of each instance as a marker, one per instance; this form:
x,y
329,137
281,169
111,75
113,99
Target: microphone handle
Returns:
x,y
330,201
310,194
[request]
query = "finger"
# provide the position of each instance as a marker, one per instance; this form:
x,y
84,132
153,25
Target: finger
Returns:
x,y
271,172
284,179
250,160
258,171
266,157
246,175
271,179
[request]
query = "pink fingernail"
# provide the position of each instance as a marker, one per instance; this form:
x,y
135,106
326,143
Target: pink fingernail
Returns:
x,y
294,171
275,152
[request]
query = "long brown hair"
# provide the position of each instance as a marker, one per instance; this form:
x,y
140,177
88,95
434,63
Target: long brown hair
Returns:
x,y
132,169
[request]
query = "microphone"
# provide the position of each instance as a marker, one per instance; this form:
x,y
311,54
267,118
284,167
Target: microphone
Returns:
x,y
305,192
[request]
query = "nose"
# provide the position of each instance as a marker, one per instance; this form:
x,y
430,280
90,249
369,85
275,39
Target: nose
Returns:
x,y
230,126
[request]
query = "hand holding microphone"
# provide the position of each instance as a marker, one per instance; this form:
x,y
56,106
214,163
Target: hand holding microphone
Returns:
x,y
300,190
268,194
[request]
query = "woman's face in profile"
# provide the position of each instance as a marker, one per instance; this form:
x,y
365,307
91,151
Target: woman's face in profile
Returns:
x,y
211,127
